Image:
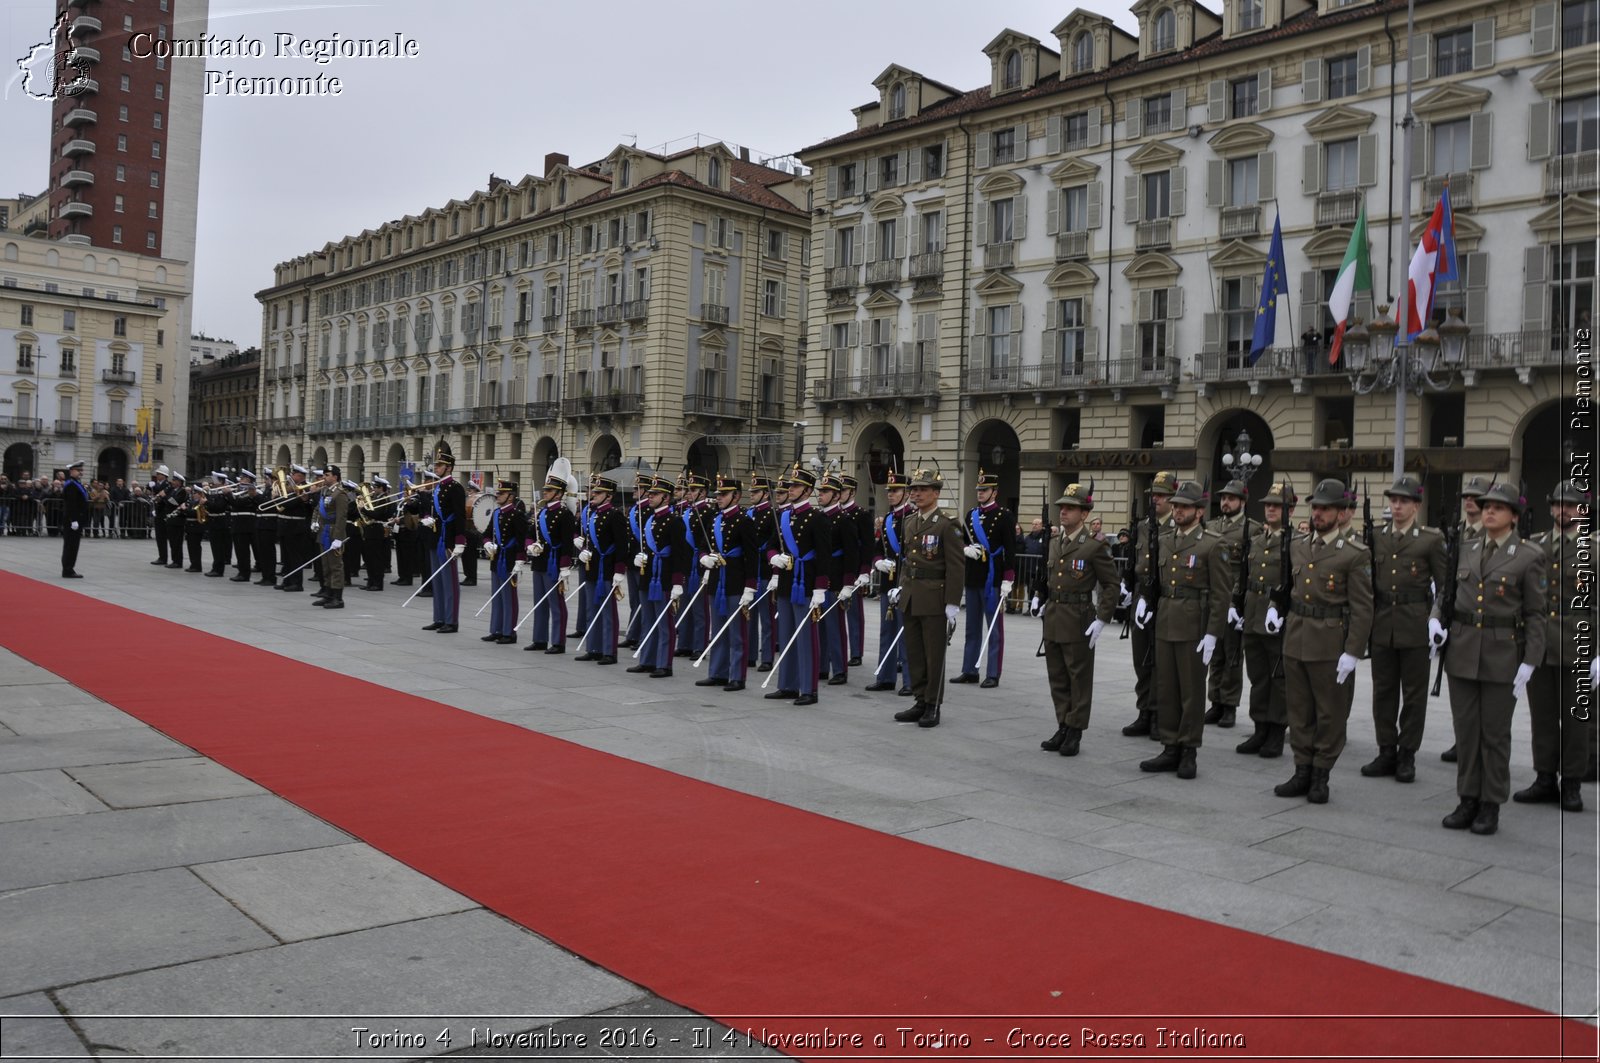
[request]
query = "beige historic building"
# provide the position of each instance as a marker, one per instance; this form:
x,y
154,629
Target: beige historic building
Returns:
x,y
645,306
1054,276
223,399
88,337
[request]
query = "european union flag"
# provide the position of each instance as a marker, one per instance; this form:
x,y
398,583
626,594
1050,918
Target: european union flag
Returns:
x,y
1273,284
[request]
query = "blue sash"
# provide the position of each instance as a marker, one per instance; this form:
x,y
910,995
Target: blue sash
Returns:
x,y
655,594
976,517
892,533
326,535
797,587
594,541
550,566
722,576
500,555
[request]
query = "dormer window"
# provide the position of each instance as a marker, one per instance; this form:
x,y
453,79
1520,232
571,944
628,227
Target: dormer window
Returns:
x,y
1011,70
1252,14
1164,31
626,177
561,191
1083,53
897,101
714,172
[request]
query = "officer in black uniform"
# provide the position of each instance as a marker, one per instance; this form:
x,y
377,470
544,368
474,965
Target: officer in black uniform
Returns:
x,y
75,499
375,534
294,531
218,531
242,509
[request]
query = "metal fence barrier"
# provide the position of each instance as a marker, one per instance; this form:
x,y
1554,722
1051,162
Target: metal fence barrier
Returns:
x,y
42,517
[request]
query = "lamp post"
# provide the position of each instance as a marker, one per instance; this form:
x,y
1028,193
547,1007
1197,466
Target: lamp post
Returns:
x,y
1242,463
1402,352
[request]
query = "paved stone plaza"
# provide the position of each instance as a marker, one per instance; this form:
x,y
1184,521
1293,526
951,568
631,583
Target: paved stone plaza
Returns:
x,y
140,879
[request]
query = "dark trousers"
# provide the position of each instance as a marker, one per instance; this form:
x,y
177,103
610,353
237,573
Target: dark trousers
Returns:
x,y
405,554
1181,708
221,544
1225,685
163,534
243,543
194,534
1399,695
1144,665
69,548
1319,711
1267,702
265,542
1070,667
375,558
1560,738
925,648
1481,713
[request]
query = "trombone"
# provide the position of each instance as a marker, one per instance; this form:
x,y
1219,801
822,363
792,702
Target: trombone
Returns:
x,y
289,491
406,492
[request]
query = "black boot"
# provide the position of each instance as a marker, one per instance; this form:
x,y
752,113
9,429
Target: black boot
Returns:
x,y
1543,791
930,718
1140,725
1405,765
1186,765
1571,794
1253,744
1230,716
1449,755
1318,794
1214,713
1167,760
1462,817
1069,745
911,715
1053,743
336,601
1273,746
1381,765
1298,784
1487,821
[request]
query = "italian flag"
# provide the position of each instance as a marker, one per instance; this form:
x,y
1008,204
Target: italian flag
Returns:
x,y
1355,274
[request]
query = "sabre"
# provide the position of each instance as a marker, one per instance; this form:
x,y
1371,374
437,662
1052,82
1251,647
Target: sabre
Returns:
x,y
726,625
515,567
541,601
984,645
886,654
646,640
797,630
599,609
427,581
313,561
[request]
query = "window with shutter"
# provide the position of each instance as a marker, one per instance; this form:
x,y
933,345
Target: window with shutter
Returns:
x,y
1572,289
1341,77
1311,80
1578,125
1452,52
1580,23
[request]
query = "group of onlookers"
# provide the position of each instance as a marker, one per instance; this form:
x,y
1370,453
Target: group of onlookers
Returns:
x,y
33,506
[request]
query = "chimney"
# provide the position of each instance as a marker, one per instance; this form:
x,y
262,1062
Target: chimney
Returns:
x,y
744,154
552,160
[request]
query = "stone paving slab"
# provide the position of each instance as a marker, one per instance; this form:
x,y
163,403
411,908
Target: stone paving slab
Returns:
x,y
48,1037
333,890
1357,891
873,811
469,964
1221,859
1570,900
1238,904
1169,810
115,746
57,719
162,782
1525,930
55,935
1041,816
1016,848
38,794
1374,857
67,848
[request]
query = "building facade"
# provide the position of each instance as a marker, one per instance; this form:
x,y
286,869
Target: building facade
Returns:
x,y
1055,276
203,349
223,399
87,339
646,306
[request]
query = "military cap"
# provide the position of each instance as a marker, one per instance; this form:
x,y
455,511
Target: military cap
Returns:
x,y
1165,483
988,480
75,465
246,474
1236,488
178,476
800,477
1567,491
1189,493
350,485
442,454
927,478
728,484
555,483
1281,494
502,487
893,480
694,479
760,483
850,482
1329,492
660,484
1505,494
162,470
1075,495
378,481
603,483
1406,486
301,469
333,471
830,482
1474,487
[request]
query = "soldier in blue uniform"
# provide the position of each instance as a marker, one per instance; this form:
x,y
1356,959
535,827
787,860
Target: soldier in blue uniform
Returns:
x,y
663,564
991,552
446,519
504,543
864,536
799,559
607,546
75,514
762,645
551,530
892,668
732,588
844,562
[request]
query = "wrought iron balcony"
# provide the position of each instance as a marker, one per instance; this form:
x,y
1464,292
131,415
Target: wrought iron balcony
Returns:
x,y
122,431
769,411
884,271
1567,173
602,405
66,428
927,264
510,411
582,318
1338,208
716,406
1000,256
876,387
841,277
1463,188
714,313
21,424
544,410
551,322
1239,222
117,376
24,366
1152,235
1072,246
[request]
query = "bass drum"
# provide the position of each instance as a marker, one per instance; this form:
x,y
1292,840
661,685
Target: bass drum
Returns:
x,y
483,513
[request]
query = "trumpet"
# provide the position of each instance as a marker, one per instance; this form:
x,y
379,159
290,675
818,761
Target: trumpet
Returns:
x,y
407,491
291,491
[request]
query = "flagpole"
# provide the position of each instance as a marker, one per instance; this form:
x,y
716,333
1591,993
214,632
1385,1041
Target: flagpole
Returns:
x,y
1402,346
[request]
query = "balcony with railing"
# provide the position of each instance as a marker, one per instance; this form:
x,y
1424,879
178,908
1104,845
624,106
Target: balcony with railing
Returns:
x,y
840,278
1152,235
716,406
1565,174
1463,190
66,428
24,366
1072,246
84,24
21,424
69,369
877,387
77,178
80,116
884,271
117,376
491,333
120,431
583,319
83,55
75,208
78,146
521,326
543,410
510,412
713,313
769,411
999,256
551,322
483,414
615,403
1338,208
927,264
1241,222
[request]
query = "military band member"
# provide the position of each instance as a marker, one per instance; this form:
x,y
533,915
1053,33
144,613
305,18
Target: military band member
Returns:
x,y
1075,593
663,564
1408,560
1225,684
1493,646
406,520
732,588
333,508
218,530
864,535
991,552
550,534
1330,617
763,644
607,550
1263,650
75,514
1562,730
503,544
1196,581
375,533
164,496
892,669
294,531
265,541
800,582
1142,639
1468,528
194,529
446,521
931,579
353,556
173,520
844,565
242,517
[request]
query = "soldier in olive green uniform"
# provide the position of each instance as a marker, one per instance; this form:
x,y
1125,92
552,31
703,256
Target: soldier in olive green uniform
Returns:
x,y
1330,616
928,594
1408,559
1561,736
1142,641
1076,566
1468,528
1495,642
1195,586
1263,650
1226,682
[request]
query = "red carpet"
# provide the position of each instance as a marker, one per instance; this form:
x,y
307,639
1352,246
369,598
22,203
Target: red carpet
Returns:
x,y
750,911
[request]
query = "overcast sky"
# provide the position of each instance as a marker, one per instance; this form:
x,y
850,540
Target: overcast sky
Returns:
x,y
496,85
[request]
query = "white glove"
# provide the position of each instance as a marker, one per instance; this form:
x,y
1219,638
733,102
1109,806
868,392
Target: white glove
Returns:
x,y
316,525
619,581
1141,614
1436,633
1207,647
1093,631
1274,622
641,559
74,525
782,561
709,561
537,549
336,544
1519,684
818,597
862,581
748,598
973,551
577,542
772,584
490,549
1126,599
677,591
1347,668
884,565
585,556
1035,607
458,551
1235,621
429,523
1005,588
517,566
894,595
847,592
950,612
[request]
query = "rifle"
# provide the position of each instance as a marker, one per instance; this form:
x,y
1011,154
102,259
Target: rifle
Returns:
x,y
1233,646
1128,579
1151,590
1280,595
1447,593
1369,537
